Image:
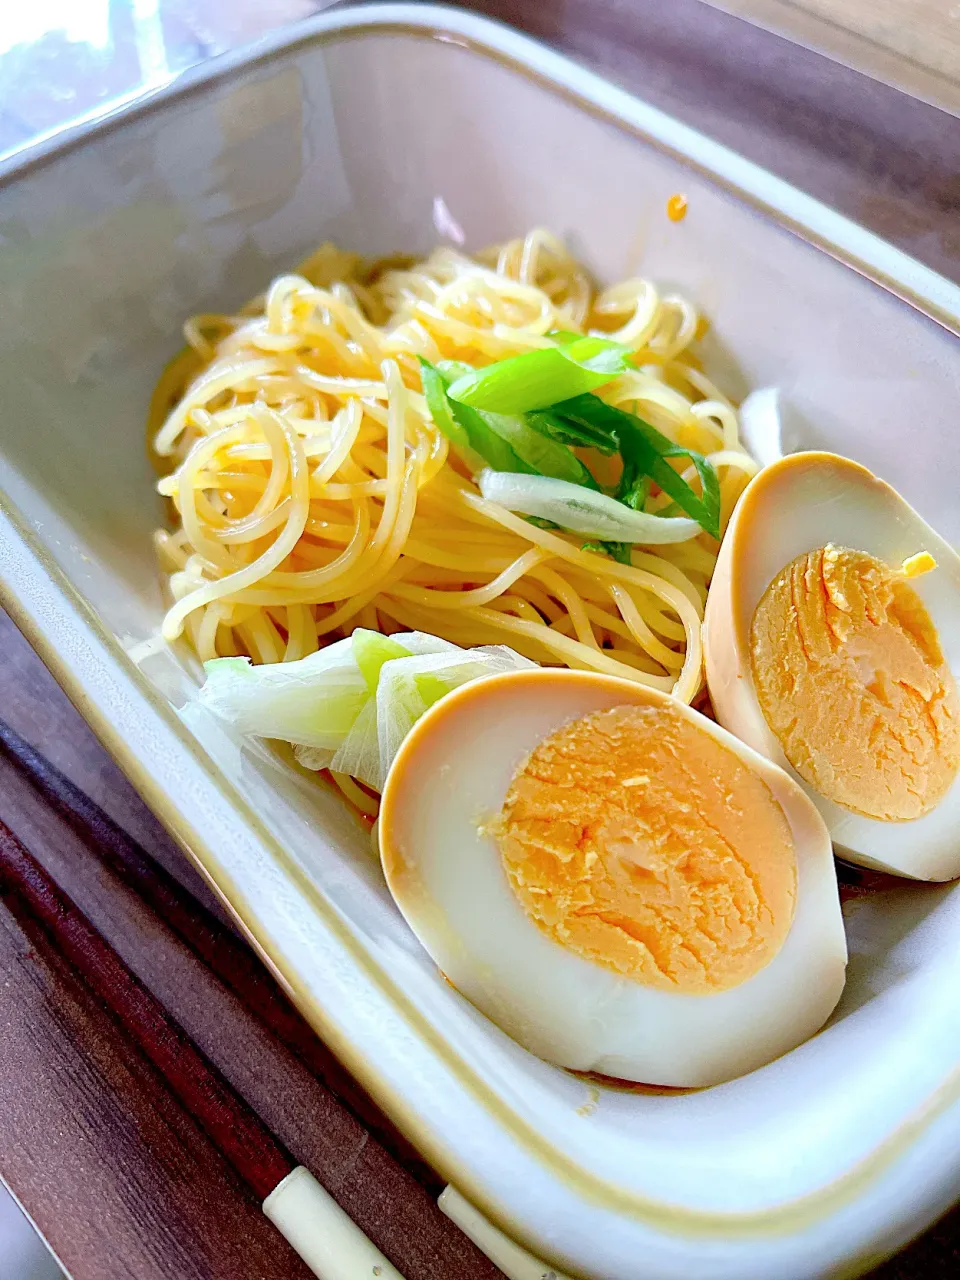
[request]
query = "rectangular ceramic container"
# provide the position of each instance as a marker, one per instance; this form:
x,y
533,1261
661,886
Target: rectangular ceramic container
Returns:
x,y
383,129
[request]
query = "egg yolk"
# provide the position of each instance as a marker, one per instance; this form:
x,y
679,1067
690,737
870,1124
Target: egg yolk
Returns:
x,y
850,677
639,841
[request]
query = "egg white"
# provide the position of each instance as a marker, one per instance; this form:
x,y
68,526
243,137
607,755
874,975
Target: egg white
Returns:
x,y
802,502
447,877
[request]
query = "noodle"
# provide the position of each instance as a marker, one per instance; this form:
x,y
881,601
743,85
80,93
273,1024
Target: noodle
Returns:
x,y
313,492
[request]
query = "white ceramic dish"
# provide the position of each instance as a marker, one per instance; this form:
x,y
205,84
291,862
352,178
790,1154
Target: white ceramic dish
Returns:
x,y
371,127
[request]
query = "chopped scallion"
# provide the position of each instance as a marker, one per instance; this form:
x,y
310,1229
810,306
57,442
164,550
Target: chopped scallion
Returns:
x,y
645,452
469,429
538,379
619,551
580,510
569,432
541,453
435,394
371,650
507,442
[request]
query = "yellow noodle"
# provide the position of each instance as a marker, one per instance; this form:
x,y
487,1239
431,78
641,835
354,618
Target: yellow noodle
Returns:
x,y
479,595
220,377
640,631
206,634
571,601
313,492
359,798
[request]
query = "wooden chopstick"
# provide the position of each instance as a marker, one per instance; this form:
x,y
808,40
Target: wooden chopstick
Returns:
x,y
226,955
324,1236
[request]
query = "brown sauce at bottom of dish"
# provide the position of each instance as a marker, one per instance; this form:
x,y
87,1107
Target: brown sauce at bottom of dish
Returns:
x,y
628,1086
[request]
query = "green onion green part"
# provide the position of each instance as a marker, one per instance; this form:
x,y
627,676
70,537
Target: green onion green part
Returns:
x,y
645,451
538,379
526,414
371,650
543,455
507,442
619,551
435,394
565,431
469,428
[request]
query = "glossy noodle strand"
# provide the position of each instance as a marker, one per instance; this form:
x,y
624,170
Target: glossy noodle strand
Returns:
x,y
312,492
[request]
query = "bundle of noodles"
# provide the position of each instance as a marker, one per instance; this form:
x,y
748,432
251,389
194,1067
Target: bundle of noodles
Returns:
x,y
314,493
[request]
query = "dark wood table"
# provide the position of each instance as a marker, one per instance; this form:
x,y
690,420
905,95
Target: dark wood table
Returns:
x,y
116,1175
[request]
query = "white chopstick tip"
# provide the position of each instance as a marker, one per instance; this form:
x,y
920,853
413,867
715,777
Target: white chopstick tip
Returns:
x,y
512,1259
326,1238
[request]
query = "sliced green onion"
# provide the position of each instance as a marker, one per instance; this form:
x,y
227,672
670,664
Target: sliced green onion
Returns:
x,y
371,650
565,431
634,490
233,667
581,510
348,707
538,379
645,451
431,688
543,455
491,444
312,702
761,425
601,354
619,551
471,430
435,394
451,369
506,442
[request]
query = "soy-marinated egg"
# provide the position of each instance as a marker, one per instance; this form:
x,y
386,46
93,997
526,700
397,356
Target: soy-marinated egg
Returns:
x,y
832,639
613,879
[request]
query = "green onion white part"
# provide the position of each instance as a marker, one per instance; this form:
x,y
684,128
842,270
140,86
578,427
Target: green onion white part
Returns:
x,y
761,426
581,510
349,706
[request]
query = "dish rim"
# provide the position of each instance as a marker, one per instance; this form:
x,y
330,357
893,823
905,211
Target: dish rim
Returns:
x,y
814,222
887,267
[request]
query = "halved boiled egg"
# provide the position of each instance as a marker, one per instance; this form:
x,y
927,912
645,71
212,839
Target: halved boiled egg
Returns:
x,y
832,639
612,878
